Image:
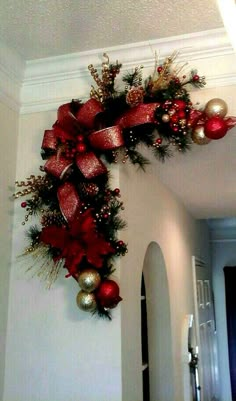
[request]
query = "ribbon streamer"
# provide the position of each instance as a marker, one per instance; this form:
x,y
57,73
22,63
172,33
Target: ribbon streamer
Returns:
x,y
57,166
87,113
141,114
107,138
69,201
89,165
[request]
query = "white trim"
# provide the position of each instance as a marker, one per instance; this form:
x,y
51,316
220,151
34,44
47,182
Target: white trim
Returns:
x,y
11,77
44,84
52,81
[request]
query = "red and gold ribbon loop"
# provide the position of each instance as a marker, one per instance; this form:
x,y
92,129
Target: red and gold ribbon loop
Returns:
x,y
195,116
141,114
87,113
51,137
89,165
49,140
230,122
107,138
57,166
69,201
66,119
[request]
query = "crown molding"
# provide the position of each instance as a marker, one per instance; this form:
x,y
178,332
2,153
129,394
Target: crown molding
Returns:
x,y
52,81
11,77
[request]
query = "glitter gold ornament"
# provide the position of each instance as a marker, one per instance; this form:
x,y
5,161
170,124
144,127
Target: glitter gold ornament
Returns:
x,y
165,118
216,107
86,301
199,137
89,279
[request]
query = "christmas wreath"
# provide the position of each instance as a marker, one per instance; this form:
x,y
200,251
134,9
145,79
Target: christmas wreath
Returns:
x,y
79,213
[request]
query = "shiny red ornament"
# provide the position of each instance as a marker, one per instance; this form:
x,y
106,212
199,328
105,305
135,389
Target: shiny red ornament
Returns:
x,y
174,118
215,128
80,138
181,114
23,204
179,104
81,147
159,69
108,294
159,141
116,191
196,78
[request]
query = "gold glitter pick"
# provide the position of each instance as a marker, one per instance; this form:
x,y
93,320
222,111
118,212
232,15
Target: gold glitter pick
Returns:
x,y
105,83
42,265
161,80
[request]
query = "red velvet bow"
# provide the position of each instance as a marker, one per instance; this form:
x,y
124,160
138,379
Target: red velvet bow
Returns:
x,y
78,241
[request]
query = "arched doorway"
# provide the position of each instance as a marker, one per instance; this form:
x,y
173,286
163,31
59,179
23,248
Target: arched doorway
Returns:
x,y
160,357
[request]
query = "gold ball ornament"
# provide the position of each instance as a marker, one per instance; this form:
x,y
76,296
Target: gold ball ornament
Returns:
x,y
89,279
216,107
199,137
165,118
86,301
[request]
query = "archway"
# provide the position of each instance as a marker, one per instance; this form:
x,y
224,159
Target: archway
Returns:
x,y
159,325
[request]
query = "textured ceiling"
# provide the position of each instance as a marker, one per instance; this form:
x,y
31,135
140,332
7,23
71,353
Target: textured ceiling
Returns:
x,y
43,28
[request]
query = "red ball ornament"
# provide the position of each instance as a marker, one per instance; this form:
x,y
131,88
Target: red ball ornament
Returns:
x,y
107,294
81,147
159,141
80,138
174,118
181,114
159,69
196,78
116,191
215,128
23,204
179,104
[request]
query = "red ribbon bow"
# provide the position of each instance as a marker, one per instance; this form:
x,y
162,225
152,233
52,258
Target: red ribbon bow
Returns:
x,y
68,127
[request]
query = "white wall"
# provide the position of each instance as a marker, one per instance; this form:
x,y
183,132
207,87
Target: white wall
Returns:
x,y
55,351
160,355
154,214
8,145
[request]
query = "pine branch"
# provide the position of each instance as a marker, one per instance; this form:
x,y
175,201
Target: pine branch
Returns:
x,y
184,143
162,152
102,313
32,234
137,158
